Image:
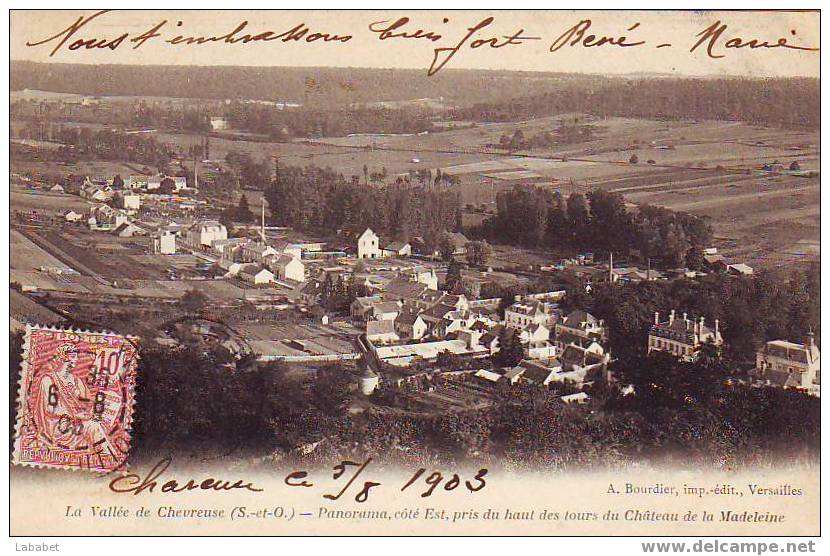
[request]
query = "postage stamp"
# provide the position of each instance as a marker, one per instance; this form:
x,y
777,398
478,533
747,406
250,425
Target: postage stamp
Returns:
x,y
75,404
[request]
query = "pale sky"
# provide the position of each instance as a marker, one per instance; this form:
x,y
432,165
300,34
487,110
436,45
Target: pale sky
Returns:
x,y
364,49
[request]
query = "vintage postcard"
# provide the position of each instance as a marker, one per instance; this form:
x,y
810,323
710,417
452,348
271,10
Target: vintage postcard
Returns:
x,y
415,272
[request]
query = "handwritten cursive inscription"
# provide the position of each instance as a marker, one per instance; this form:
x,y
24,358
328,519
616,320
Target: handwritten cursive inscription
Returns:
x,y
70,38
716,39
132,482
715,36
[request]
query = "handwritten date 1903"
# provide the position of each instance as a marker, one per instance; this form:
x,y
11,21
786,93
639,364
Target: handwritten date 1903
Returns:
x,y
432,481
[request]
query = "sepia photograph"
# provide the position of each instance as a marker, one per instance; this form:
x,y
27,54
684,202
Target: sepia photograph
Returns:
x,y
414,259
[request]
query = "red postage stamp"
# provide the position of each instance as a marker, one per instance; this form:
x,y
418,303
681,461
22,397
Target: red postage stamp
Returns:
x,y
75,404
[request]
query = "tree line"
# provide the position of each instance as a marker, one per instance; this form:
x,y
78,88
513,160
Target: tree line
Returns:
x,y
784,102
85,143
600,221
320,199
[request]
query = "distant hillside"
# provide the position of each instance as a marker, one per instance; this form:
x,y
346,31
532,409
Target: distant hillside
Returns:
x,y
307,86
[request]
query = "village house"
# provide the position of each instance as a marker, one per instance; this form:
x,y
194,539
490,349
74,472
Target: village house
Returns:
x,y
459,242
217,123
532,372
402,288
230,248
255,252
137,182
368,245
127,229
72,216
682,337
129,201
255,274
410,325
164,242
580,328
453,323
740,269
576,357
397,249
104,217
96,192
534,335
203,233
368,381
471,338
361,307
490,339
381,331
154,182
522,314
385,310
286,267
435,315
789,365
715,262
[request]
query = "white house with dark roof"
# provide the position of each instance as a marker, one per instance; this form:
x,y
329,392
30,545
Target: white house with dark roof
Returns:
x,y
205,232
398,249
523,314
385,310
255,274
578,327
682,337
256,252
286,267
368,245
164,242
410,325
789,365
534,335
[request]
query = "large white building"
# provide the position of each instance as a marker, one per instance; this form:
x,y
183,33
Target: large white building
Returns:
x,y
368,245
205,232
129,201
789,365
523,314
164,243
682,337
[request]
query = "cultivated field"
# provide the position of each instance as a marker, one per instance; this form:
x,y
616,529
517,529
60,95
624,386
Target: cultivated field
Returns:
x,y
707,168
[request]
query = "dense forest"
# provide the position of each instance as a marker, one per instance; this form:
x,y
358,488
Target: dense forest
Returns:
x,y
311,87
338,100
599,221
790,102
313,198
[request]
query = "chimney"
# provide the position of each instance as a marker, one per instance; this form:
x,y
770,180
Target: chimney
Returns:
x,y
700,326
717,328
656,317
671,317
610,267
262,227
686,316
811,339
